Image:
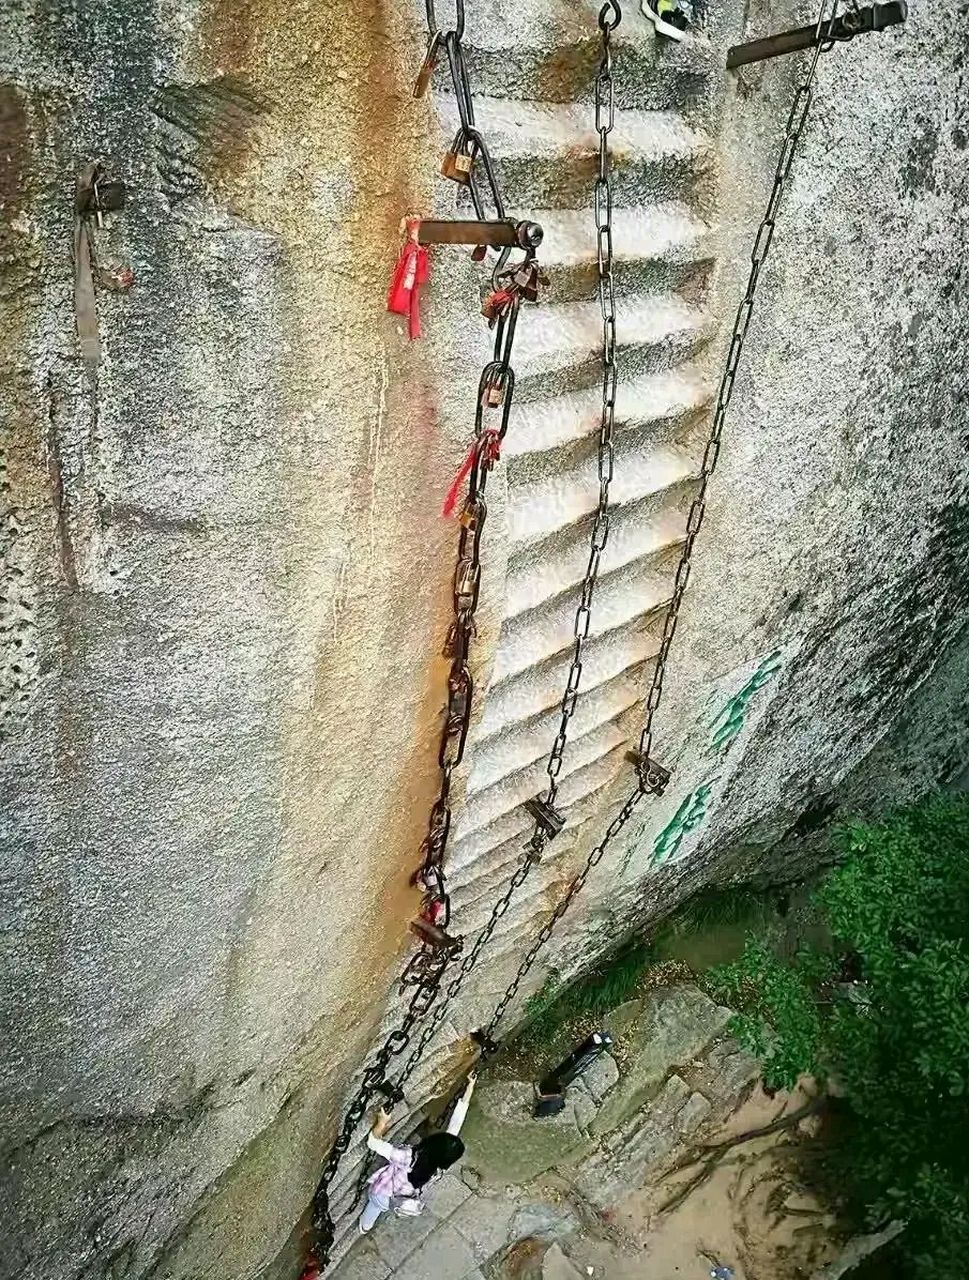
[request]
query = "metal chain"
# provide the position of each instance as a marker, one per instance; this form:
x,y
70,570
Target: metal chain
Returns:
x,y
605,118
762,242
427,966
609,18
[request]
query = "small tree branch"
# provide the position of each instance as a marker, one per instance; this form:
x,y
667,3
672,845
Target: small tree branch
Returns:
x,y
857,1250
810,1108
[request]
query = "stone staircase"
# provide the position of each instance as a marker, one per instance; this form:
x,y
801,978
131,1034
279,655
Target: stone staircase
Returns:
x,y
545,146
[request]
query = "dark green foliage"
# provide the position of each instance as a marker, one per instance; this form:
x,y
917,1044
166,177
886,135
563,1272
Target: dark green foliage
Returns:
x,y
886,1018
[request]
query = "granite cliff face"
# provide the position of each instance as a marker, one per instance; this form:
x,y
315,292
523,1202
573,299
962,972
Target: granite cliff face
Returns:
x,y
225,582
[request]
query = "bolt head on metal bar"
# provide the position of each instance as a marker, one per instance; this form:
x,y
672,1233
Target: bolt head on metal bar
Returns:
x,y
549,822
485,1043
550,819
652,775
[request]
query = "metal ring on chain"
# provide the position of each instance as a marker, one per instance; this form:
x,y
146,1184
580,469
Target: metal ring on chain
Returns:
x,y
610,15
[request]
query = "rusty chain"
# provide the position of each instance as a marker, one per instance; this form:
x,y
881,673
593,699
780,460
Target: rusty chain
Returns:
x,y
651,779
496,386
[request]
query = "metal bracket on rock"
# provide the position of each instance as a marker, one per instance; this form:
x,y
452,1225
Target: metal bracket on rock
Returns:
x,y
853,23
549,822
652,775
503,234
485,1043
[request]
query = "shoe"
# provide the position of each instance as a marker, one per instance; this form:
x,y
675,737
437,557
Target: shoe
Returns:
x,y
672,24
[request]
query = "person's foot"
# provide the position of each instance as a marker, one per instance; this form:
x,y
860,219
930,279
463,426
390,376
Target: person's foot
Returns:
x,y
672,23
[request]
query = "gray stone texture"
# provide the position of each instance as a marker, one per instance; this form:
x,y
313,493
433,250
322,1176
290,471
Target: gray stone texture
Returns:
x,y
601,1076
647,1142
556,1266
675,1025
508,1143
225,581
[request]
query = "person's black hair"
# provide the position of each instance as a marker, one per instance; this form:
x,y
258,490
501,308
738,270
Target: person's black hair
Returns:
x,y
436,1151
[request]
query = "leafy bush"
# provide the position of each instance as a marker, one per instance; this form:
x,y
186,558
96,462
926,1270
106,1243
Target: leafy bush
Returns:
x,y
885,1018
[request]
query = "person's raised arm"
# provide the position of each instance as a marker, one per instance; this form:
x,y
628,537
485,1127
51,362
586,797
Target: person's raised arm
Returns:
x,y
375,1138
461,1106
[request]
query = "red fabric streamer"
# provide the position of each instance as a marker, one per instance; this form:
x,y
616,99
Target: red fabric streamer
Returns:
x,y
487,447
412,270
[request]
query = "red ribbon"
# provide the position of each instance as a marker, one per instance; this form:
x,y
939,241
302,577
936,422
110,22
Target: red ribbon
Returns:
x,y
412,270
487,447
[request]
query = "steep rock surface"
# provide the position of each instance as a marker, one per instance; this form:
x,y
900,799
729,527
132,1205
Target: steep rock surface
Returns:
x,y
225,583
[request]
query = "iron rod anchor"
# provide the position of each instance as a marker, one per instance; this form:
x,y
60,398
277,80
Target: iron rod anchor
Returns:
x,y
504,234
875,17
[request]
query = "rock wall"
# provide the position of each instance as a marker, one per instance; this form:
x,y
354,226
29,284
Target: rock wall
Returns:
x,y
225,582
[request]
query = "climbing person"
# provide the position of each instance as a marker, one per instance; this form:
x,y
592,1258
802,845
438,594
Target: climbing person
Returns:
x,y
400,1184
671,18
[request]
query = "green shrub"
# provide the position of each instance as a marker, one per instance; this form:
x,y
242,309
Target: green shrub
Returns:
x,y
886,1019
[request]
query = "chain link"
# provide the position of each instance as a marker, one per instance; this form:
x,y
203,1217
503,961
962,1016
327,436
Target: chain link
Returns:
x,y
425,970
762,243
605,118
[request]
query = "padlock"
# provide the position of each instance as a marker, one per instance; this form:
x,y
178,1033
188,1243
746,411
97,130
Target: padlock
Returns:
x,y
457,164
494,395
471,514
466,578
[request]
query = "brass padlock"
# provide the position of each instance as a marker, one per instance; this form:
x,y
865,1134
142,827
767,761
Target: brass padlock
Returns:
x,y
494,395
457,163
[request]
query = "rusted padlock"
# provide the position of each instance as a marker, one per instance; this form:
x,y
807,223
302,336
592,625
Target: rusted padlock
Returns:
x,y
457,164
473,512
466,578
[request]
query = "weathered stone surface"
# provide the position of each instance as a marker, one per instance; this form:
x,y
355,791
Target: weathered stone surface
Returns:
x,y
364,1263
674,1027
223,569
556,1266
543,1222
601,1076
647,1141
446,1256
724,1073
449,1193
485,1222
508,1144
584,1104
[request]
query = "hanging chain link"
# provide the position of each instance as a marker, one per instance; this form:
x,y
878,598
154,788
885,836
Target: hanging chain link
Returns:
x,y
605,118
762,242
501,374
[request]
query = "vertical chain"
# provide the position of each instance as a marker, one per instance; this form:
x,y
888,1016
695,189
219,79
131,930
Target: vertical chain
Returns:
x,y
762,242
758,256
424,997
605,118
426,968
